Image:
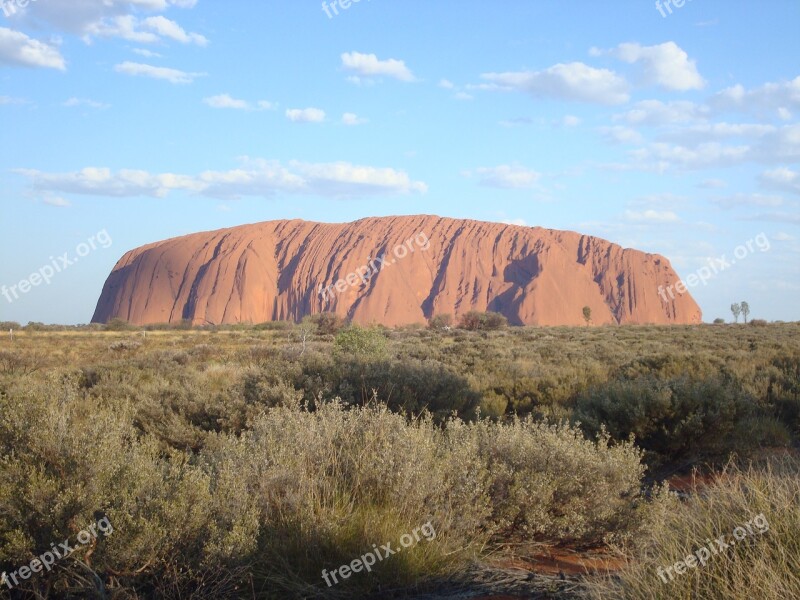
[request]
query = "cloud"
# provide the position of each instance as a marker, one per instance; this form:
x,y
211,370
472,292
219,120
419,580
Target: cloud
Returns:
x,y
573,81
506,177
112,18
17,49
747,200
170,29
368,65
352,119
652,216
74,102
254,177
146,53
655,112
447,85
777,217
172,75
778,145
621,135
781,179
570,121
775,97
226,101
698,134
305,115
56,201
712,184
665,65
12,100
712,154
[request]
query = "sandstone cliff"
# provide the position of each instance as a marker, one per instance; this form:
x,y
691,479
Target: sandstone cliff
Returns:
x,y
283,270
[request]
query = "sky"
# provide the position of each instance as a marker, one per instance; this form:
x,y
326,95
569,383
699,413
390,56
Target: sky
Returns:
x,y
669,127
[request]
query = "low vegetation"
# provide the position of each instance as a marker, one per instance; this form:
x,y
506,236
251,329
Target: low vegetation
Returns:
x,y
242,461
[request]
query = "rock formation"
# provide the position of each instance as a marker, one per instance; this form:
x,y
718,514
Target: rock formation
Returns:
x,y
394,271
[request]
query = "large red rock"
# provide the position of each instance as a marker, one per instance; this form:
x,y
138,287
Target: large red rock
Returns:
x,y
284,270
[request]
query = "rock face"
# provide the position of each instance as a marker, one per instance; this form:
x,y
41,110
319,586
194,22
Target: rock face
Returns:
x,y
394,271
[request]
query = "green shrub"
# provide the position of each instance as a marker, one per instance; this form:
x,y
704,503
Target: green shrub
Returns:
x,y
764,565
439,322
551,484
360,343
677,420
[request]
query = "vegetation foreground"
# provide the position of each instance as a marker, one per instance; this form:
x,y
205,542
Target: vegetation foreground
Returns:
x,y
256,461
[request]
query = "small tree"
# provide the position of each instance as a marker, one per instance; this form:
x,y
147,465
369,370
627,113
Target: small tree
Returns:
x,y
471,321
328,323
745,310
736,309
587,315
719,321
475,320
493,321
304,333
440,321
361,343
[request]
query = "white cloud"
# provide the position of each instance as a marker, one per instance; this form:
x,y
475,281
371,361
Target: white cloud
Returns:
x,y
712,184
712,154
111,18
698,134
254,177
11,100
519,222
506,177
56,201
172,75
352,119
146,53
666,65
267,105
570,121
448,85
574,81
655,112
305,115
170,29
775,147
368,65
748,200
778,98
782,236
18,49
652,216
781,179
621,135
74,102
226,101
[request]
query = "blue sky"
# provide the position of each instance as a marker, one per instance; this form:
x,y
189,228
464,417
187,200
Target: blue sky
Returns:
x,y
124,123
